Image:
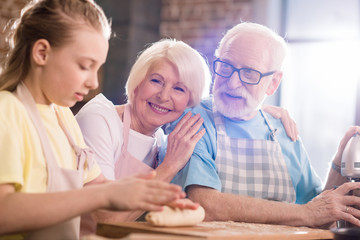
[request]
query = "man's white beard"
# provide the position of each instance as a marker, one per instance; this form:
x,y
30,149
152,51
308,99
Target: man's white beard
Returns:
x,y
236,109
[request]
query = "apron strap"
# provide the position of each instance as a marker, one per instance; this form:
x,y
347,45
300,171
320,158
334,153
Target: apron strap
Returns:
x,y
82,154
273,131
219,123
126,124
23,94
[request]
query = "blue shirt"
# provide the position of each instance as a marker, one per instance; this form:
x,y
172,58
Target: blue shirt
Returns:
x,y
201,169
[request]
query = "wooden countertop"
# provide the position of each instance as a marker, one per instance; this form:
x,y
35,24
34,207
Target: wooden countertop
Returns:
x,y
211,230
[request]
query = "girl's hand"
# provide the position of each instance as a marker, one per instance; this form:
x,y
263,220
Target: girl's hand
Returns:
x,y
141,193
184,203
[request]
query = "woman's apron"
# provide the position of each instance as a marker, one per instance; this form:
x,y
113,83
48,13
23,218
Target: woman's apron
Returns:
x,y
59,179
251,167
126,164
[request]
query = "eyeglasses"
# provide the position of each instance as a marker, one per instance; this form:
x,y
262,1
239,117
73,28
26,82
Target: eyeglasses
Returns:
x,y
246,75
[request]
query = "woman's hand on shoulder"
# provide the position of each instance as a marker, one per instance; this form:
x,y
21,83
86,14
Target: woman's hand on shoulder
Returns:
x,y
288,123
182,140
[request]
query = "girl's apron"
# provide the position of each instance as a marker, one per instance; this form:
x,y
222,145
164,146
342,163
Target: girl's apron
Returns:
x,y
251,167
126,164
59,179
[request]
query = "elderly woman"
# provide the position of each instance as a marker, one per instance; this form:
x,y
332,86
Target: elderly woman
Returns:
x,y
168,77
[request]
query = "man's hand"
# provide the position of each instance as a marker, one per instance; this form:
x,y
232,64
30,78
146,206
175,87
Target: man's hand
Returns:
x,y
335,204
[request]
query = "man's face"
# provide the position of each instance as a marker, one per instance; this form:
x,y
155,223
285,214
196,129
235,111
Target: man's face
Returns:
x,y
233,98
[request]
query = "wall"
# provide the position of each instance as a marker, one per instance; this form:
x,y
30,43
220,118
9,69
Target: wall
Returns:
x,y
135,23
9,9
322,85
201,23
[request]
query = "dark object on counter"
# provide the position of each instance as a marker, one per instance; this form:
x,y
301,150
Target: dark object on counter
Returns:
x,y
346,233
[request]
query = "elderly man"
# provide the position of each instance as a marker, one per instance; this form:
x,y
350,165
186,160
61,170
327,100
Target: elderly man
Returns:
x,y
245,168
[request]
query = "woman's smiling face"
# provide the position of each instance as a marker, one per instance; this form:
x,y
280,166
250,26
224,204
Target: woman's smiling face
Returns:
x,y
161,97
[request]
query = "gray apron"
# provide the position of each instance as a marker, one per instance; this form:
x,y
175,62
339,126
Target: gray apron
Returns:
x,y
59,179
251,167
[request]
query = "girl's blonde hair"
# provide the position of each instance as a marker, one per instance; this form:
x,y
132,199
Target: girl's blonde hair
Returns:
x,y
192,67
53,20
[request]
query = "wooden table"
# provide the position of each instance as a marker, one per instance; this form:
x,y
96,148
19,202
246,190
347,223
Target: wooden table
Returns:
x,y
211,230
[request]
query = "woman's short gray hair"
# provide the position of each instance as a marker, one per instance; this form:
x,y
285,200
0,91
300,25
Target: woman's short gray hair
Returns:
x,y
192,67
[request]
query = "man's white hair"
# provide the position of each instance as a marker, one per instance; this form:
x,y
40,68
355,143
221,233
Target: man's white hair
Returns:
x,y
277,45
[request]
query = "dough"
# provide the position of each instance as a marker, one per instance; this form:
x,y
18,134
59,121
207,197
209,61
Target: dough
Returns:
x,y
171,217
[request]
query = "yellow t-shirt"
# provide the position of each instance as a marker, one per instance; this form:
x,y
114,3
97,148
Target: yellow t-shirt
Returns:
x,y
22,161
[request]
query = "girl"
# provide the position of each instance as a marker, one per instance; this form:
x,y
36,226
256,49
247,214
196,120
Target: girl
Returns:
x,y
55,51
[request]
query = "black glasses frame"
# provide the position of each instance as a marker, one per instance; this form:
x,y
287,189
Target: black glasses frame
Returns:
x,y
234,69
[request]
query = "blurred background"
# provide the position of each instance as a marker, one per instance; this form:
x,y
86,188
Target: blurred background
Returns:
x,y
320,88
